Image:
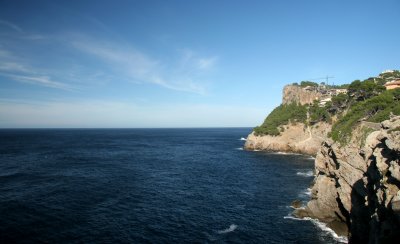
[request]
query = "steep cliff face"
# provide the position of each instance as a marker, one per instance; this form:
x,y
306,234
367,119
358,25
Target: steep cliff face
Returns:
x,y
294,137
297,94
297,138
359,184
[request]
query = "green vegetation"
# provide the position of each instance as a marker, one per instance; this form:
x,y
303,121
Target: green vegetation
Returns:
x,y
365,132
308,83
291,113
318,113
375,109
344,86
364,90
390,75
282,115
366,100
338,104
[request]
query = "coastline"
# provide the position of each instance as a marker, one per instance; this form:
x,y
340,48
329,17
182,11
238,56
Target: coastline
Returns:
x,y
338,230
295,138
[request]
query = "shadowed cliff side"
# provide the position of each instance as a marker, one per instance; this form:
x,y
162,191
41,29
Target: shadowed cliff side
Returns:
x,y
359,184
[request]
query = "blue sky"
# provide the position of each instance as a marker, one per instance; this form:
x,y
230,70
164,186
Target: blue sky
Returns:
x,y
180,63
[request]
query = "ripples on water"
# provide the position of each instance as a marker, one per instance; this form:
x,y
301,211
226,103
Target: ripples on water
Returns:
x,y
149,185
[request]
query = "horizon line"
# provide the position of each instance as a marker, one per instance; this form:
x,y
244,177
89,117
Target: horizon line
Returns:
x,y
122,128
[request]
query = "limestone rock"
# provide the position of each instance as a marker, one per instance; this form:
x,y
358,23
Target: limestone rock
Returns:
x,y
358,184
297,94
297,138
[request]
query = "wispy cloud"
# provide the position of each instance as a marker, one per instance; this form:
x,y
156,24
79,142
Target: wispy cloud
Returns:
x,y
140,67
18,32
15,69
11,26
187,71
40,80
206,63
190,60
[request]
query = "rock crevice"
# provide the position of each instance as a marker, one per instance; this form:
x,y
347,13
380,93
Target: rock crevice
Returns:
x,y
359,185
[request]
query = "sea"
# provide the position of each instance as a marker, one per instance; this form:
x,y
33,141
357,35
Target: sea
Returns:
x,y
150,186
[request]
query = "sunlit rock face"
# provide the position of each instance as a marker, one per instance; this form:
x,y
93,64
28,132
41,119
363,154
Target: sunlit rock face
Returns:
x,y
295,138
359,185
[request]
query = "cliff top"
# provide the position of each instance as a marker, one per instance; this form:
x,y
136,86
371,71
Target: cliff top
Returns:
x,y
342,106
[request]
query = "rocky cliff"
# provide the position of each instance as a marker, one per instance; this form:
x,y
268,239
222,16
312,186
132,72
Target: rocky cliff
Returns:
x,y
297,94
296,138
356,189
358,184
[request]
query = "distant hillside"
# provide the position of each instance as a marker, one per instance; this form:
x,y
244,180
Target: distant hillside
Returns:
x,y
310,103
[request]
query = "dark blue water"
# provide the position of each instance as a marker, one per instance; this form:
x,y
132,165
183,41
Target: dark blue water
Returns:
x,y
148,185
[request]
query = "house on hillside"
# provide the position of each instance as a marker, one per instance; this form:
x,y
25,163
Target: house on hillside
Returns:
x,y
392,84
309,88
341,91
323,102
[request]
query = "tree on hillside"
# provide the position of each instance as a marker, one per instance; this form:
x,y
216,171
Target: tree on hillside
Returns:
x,y
308,83
361,91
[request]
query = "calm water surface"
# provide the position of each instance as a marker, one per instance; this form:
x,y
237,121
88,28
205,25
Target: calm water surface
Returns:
x,y
148,185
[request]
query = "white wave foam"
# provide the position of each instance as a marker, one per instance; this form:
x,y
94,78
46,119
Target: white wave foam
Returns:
x,y
295,218
306,174
302,207
239,148
306,192
321,226
285,153
231,228
325,228
243,139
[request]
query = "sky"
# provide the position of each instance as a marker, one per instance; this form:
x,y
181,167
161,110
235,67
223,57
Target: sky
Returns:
x,y
134,64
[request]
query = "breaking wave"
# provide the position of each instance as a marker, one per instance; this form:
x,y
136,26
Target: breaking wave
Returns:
x,y
309,173
231,228
322,226
305,193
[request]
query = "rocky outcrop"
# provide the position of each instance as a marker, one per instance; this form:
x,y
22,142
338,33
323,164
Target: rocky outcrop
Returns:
x,y
359,184
297,94
295,138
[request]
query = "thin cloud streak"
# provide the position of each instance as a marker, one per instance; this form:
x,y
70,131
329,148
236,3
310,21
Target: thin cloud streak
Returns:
x,y
40,80
14,67
139,67
206,63
11,26
123,62
16,70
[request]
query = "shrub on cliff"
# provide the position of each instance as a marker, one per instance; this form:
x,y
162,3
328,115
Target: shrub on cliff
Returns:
x,y
282,115
362,90
390,75
318,113
308,83
374,109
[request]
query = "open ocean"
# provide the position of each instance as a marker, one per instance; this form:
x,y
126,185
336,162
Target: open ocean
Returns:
x,y
149,186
